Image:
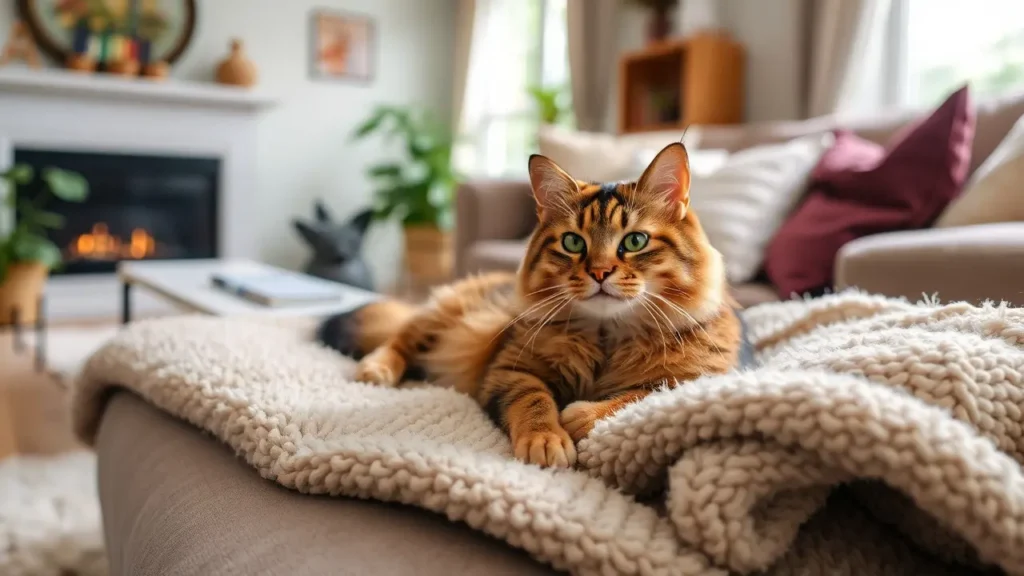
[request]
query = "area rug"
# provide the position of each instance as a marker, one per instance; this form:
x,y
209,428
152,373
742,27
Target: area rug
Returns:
x,y
877,437
50,516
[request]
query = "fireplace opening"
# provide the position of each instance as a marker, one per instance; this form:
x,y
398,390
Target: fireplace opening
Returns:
x,y
139,208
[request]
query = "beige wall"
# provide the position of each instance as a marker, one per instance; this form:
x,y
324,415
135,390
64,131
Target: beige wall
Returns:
x,y
771,31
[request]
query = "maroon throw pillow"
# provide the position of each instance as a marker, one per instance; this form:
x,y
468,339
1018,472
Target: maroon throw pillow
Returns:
x,y
860,188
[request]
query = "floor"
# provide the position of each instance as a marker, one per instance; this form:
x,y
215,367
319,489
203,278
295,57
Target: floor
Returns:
x,y
33,417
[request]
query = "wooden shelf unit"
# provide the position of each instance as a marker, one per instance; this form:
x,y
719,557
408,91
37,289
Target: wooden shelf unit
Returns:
x,y
671,85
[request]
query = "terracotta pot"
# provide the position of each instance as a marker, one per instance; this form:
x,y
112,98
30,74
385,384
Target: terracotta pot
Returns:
x,y
20,292
237,69
123,68
429,254
156,70
81,63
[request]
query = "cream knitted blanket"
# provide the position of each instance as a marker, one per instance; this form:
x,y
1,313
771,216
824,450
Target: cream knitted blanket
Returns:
x,y
878,437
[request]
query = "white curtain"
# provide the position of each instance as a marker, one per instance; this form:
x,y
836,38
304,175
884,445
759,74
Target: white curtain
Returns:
x,y
464,19
593,51
844,53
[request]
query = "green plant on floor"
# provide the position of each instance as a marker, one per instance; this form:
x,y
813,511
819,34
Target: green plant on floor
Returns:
x,y
419,189
550,102
26,241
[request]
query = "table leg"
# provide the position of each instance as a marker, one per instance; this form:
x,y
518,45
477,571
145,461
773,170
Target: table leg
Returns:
x,y
126,302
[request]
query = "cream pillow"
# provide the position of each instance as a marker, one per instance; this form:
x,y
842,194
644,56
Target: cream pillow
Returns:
x,y
600,157
744,202
995,192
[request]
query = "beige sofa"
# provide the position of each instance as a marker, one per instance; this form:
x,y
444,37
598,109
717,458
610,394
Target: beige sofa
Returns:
x,y
971,263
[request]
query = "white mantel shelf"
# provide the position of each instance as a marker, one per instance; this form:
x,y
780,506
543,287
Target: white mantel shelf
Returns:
x,y
56,82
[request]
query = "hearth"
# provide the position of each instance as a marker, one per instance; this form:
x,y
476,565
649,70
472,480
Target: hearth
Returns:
x,y
140,207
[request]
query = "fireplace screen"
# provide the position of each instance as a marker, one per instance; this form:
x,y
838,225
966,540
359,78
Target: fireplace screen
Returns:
x,y
139,207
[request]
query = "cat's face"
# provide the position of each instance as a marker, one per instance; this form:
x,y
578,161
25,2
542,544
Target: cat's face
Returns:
x,y
620,250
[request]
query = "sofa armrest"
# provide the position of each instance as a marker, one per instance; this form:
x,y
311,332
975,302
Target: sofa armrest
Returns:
x,y
971,263
491,210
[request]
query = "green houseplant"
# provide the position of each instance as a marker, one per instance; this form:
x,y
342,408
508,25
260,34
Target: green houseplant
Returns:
x,y
26,254
418,190
550,102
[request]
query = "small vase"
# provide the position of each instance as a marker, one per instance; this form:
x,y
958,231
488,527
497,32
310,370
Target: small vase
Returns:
x,y
659,26
81,63
237,69
156,70
20,292
123,67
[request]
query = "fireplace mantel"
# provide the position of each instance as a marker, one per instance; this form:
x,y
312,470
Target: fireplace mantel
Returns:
x,y
61,111
54,82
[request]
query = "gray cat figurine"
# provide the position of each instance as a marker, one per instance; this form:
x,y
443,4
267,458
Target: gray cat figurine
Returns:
x,y
337,248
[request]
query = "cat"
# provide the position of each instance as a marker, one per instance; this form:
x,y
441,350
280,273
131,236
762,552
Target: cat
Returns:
x,y
337,247
619,294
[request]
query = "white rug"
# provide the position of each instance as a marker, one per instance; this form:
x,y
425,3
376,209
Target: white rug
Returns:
x,y
50,516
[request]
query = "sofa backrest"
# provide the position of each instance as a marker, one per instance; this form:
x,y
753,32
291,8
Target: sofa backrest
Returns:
x,y
995,117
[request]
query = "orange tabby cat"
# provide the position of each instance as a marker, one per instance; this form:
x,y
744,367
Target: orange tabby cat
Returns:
x,y
619,294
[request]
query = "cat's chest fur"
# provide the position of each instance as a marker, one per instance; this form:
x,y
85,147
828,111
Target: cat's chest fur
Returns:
x,y
588,360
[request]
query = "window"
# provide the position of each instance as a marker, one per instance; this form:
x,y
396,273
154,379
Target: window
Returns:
x,y
517,44
934,46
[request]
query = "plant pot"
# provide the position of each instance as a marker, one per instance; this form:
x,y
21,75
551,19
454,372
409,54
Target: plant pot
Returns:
x,y
429,254
20,292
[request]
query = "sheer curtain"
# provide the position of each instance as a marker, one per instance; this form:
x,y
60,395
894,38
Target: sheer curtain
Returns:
x,y
514,45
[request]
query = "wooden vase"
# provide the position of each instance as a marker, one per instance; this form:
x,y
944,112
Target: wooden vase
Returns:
x,y
156,70
429,255
237,69
20,293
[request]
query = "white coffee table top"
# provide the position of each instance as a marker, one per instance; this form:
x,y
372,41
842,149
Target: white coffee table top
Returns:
x,y
188,283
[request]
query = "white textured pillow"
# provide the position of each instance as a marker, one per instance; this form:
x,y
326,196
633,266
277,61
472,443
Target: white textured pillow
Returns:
x,y
995,192
600,157
743,203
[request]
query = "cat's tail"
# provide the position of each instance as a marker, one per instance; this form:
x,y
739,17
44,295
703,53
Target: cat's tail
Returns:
x,y
358,332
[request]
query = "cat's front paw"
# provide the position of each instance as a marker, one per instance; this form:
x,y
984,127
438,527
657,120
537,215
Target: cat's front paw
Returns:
x,y
579,417
379,368
552,448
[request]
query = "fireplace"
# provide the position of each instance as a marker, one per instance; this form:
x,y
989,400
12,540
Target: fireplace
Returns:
x,y
139,207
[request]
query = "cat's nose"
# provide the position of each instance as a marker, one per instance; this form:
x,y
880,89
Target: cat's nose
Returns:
x,y
601,274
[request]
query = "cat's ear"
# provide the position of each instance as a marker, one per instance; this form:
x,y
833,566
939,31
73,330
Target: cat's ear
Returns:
x,y
550,183
322,214
360,222
308,233
667,179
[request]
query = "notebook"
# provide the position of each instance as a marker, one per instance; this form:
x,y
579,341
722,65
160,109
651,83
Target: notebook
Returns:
x,y
278,288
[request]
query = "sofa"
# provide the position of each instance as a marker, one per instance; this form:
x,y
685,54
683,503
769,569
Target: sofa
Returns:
x,y
971,263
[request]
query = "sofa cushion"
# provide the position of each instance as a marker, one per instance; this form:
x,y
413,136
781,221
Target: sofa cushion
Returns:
x,y
495,255
995,192
860,188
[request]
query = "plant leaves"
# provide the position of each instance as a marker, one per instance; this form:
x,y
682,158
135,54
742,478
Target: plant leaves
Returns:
x,y
20,174
386,171
370,125
36,248
68,186
50,220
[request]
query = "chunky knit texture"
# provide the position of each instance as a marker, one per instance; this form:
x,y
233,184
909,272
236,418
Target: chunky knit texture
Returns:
x,y
878,437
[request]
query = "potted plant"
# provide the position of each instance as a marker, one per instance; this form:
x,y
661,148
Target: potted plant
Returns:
x,y
418,190
26,254
550,102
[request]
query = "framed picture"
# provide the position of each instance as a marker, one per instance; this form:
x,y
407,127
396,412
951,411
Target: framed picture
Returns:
x,y
342,46
111,30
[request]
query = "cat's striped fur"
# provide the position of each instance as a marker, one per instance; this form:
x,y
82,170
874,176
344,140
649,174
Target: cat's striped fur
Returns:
x,y
577,333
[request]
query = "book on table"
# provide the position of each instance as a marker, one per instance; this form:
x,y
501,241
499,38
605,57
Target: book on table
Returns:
x,y
280,288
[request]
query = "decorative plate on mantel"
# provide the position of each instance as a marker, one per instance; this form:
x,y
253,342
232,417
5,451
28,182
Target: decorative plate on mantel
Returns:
x,y
111,30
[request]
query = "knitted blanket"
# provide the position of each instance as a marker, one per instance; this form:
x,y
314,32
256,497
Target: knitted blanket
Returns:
x,y
877,437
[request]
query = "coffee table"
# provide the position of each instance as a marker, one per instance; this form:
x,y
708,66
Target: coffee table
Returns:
x,y
187,283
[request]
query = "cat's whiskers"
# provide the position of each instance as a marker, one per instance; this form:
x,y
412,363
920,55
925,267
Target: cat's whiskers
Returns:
x,y
539,327
693,320
668,321
664,342
528,311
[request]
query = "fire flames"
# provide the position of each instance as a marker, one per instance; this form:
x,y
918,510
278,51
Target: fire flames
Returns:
x,y
100,244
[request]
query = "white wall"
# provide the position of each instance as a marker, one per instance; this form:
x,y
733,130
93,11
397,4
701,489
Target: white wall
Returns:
x,y
304,148
770,31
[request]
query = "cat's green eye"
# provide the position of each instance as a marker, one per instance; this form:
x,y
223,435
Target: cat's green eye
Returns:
x,y
634,241
573,243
